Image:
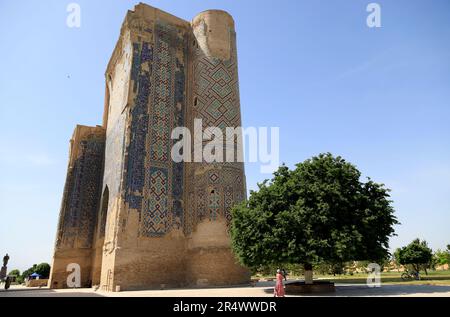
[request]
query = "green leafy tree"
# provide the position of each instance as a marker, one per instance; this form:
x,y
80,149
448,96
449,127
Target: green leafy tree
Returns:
x,y
14,273
396,259
17,275
385,264
442,257
417,254
319,212
28,272
43,270
322,268
337,268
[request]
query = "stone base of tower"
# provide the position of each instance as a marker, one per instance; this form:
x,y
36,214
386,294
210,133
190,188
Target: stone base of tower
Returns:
x,y
151,263
143,270
202,260
215,267
97,256
62,259
210,259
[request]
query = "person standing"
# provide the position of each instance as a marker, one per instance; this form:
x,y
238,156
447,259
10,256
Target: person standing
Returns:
x,y
279,286
5,260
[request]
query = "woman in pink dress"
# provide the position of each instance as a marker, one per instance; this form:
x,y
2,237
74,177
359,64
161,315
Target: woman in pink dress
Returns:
x,y
279,287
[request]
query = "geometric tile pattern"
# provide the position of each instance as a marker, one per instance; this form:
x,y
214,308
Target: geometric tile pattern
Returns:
x,y
214,194
135,165
214,177
217,93
155,220
214,204
156,186
154,182
162,102
80,200
216,102
228,203
201,205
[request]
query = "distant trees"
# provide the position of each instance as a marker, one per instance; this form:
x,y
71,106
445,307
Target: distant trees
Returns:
x,y
442,257
320,268
416,254
17,276
42,269
396,258
14,273
319,212
28,272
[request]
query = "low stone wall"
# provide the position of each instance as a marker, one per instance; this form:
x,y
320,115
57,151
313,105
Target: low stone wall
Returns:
x,y
444,267
37,283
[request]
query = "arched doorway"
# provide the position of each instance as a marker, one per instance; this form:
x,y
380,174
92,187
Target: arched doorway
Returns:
x,y
100,239
103,213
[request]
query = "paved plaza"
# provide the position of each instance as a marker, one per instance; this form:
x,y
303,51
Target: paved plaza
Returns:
x,y
264,289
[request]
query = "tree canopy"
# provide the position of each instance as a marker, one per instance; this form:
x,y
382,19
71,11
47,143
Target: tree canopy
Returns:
x,y
14,272
442,257
42,269
417,254
320,211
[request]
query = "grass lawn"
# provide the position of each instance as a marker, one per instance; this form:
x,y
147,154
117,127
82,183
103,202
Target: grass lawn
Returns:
x,y
433,278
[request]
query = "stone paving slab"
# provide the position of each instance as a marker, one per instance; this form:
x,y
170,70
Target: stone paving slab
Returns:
x,y
264,290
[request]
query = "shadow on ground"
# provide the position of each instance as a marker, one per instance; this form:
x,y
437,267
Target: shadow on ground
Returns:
x,y
44,292
261,289
359,290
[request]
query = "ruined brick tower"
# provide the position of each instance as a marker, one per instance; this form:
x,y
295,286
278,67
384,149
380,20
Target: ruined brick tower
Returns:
x,y
131,216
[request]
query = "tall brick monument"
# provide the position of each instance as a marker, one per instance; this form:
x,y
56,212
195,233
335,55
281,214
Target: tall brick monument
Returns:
x,y
131,217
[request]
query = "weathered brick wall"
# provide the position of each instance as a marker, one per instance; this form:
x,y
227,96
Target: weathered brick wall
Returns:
x,y
79,208
177,71
141,241
115,118
214,188
37,283
160,222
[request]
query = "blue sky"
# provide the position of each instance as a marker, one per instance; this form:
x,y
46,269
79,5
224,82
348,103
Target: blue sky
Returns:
x,y
380,97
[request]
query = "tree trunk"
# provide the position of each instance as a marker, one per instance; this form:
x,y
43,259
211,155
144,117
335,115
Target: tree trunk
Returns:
x,y
308,273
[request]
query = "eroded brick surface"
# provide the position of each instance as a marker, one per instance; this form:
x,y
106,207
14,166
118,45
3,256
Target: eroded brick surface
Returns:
x,y
135,218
